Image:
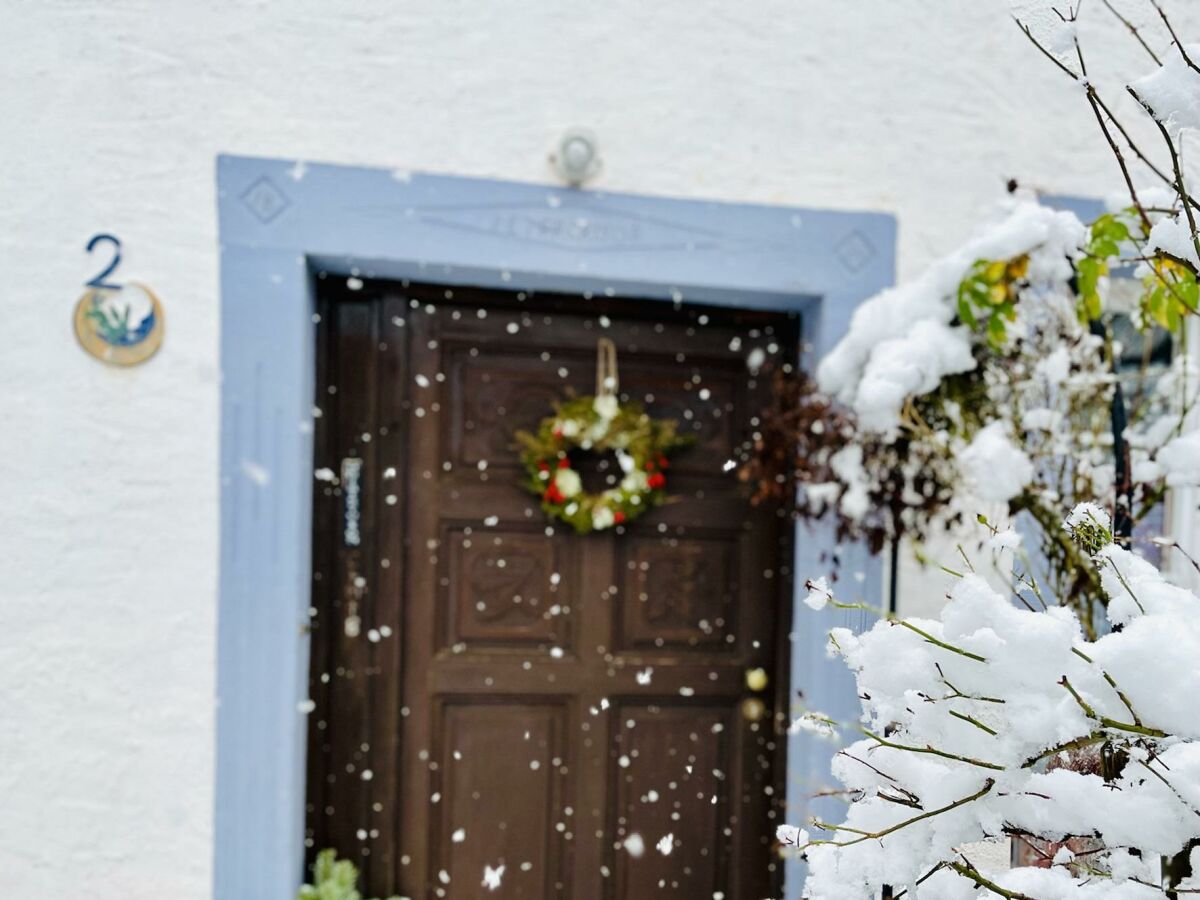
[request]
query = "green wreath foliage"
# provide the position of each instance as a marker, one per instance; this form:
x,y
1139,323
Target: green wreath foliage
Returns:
x,y
642,445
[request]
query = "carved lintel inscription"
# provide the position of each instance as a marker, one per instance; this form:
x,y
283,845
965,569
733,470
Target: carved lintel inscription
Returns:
x,y
577,230
573,228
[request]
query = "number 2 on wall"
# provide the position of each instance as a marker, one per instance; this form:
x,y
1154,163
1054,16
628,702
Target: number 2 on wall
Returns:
x,y
99,281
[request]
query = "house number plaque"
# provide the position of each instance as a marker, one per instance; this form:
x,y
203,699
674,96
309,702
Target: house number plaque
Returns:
x,y
120,324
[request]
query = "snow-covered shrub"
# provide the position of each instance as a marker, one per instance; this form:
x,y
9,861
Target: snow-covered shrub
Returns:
x,y
987,384
1065,712
993,382
994,720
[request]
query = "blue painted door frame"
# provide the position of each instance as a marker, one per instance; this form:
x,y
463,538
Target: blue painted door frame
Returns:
x,y
280,221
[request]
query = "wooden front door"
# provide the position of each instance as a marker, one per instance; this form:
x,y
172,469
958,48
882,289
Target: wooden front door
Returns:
x,y
493,690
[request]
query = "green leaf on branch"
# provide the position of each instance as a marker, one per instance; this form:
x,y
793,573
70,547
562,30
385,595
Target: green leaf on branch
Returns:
x,y
1091,270
987,296
1170,292
1106,235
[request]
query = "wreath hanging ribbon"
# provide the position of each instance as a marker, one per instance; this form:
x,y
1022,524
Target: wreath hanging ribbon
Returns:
x,y
598,424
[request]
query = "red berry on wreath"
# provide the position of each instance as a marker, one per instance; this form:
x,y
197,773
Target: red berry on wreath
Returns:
x,y
618,517
564,463
656,481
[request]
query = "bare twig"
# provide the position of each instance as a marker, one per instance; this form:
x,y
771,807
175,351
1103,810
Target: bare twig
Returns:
x,y
940,643
1170,787
1146,161
1111,683
1050,56
1102,111
875,835
958,693
973,721
1105,721
1125,584
967,870
1132,30
1176,165
935,752
1137,203
899,801
896,620
1083,704
863,762
1175,545
923,878
1174,37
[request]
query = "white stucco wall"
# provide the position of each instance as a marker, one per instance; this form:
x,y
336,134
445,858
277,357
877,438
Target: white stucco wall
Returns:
x,y
112,113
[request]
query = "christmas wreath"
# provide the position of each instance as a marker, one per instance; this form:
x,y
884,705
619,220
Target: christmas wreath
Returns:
x,y
599,424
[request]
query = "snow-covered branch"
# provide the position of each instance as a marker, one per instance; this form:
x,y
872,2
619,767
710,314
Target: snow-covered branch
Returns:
x,y
1042,733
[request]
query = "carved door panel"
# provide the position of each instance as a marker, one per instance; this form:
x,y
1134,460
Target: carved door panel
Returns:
x,y
495,691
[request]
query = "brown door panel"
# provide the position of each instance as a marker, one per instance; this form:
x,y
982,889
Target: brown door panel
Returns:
x,y
493,690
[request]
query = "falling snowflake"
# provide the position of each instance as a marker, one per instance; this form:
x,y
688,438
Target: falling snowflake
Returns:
x,y
491,877
256,473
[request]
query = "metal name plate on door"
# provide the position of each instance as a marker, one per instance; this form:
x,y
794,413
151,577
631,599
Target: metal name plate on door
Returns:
x,y
351,501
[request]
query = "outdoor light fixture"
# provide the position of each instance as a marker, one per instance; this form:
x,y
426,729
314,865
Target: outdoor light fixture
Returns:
x,y
577,156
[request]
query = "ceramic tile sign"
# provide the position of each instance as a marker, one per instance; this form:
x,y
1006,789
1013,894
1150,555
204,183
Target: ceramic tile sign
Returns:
x,y
120,324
